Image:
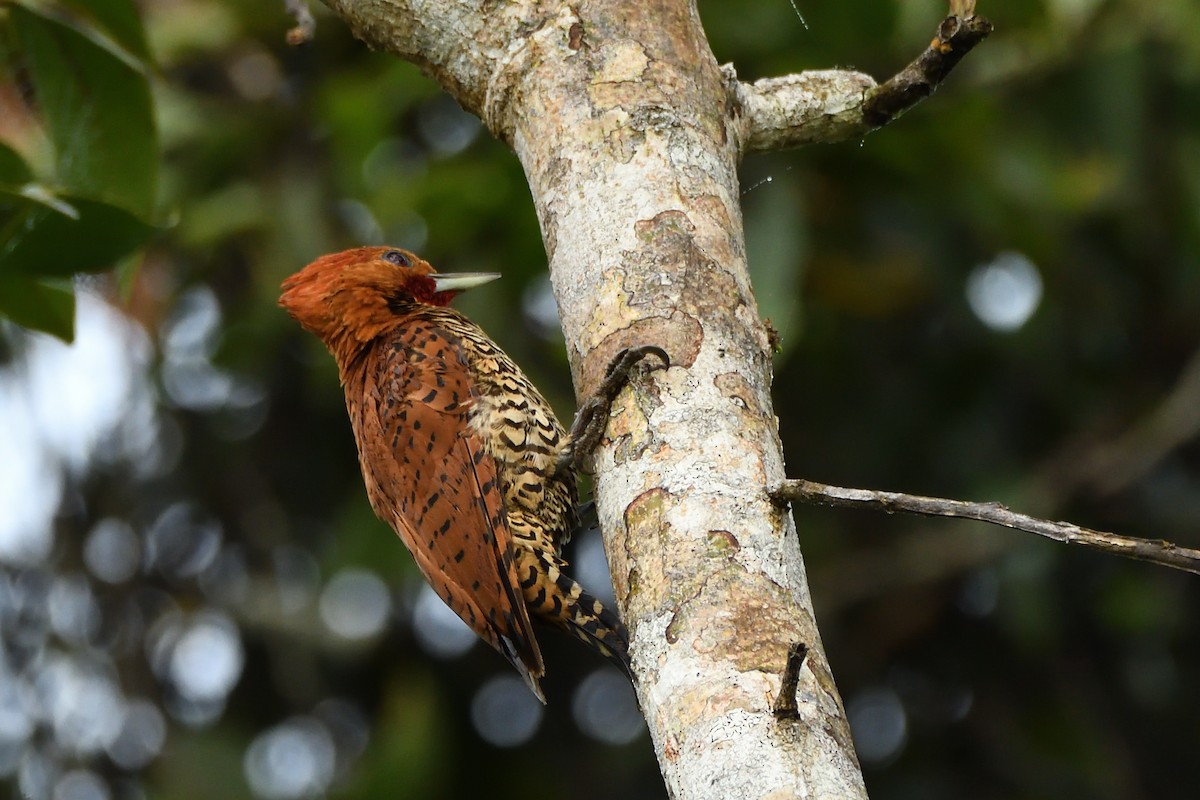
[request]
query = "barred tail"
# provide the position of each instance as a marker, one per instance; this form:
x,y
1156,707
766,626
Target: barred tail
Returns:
x,y
557,599
588,620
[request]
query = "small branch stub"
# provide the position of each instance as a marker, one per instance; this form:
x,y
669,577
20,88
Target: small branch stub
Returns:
x,y
786,706
1156,551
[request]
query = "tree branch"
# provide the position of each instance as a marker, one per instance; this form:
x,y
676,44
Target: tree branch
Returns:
x,y
630,136
616,111
956,37
833,105
1110,466
1159,551
805,108
1088,464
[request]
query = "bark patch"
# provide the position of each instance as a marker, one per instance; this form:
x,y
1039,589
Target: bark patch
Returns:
x,y
671,270
753,630
679,334
643,588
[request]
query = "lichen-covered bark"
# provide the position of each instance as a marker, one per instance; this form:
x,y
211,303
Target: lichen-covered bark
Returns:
x,y
630,135
793,110
629,138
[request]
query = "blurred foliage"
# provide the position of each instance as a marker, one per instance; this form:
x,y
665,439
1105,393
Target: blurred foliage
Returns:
x,y
974,663
88,130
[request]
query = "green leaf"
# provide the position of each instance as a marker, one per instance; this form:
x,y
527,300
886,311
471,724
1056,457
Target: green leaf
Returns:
x,y
41,305
120,20
97,110
13,169
58,235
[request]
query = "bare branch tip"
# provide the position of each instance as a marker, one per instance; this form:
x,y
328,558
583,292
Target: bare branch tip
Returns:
x,y
956,36
305,26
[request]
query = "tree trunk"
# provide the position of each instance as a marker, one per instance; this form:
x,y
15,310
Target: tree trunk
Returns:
x,y
630,135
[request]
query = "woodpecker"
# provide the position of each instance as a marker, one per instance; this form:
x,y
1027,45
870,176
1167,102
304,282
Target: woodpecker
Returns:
x,y
460,453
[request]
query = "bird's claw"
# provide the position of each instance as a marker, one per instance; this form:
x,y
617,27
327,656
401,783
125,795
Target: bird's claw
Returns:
x,y
622,364
592,417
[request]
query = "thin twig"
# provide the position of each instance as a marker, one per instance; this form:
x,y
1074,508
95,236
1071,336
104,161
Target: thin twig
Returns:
x,y
1173,422
785,706
1156,551
305,24
956,37
833,105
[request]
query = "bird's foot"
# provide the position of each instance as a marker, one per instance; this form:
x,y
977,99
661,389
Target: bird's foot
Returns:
x,y
592,417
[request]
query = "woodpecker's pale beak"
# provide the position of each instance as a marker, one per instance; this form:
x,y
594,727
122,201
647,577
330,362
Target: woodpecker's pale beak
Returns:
x,y
461,281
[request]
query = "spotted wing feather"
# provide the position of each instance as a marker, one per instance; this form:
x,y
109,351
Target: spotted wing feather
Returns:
x,y
429,476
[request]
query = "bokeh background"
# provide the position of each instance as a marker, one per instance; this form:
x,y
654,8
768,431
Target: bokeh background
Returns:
x,y
996,297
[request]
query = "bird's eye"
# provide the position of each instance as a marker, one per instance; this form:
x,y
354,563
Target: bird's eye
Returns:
x,y
397,258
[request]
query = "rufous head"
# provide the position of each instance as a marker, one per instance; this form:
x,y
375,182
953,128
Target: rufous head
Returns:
x,y
354,295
